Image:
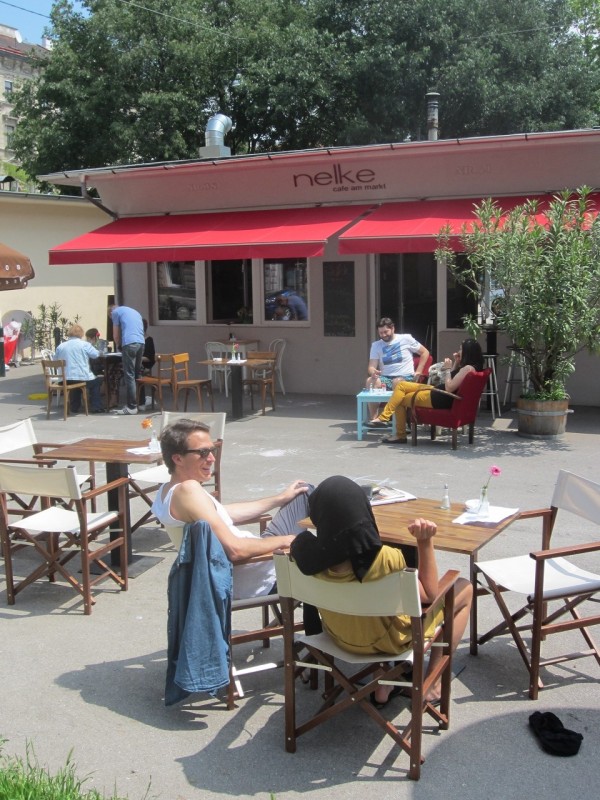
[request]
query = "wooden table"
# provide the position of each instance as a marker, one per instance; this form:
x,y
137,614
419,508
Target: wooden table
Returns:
x,y
115,454
393,519
237,367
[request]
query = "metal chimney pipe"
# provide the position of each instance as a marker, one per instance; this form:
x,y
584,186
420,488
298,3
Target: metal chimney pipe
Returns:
x,y
216,128
432,115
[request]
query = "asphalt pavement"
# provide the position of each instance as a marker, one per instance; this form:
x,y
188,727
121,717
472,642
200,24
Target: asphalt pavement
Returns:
x,y
93,686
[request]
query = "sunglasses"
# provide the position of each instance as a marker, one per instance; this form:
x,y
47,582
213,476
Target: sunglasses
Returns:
x,y
203,452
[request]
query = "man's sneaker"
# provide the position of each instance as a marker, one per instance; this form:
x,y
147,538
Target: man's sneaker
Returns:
x,y
126,410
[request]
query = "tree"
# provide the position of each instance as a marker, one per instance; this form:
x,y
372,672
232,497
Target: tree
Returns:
x,y
131,83
546,272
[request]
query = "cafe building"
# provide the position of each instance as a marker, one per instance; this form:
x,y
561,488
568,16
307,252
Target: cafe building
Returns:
x,y
204,248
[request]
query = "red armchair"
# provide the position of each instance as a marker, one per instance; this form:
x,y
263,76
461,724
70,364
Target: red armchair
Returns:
x,y
463,411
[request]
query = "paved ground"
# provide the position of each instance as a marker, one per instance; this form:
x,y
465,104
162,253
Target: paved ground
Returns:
x,y
94,685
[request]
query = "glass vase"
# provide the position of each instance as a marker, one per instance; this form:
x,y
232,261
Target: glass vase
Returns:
x,y
154,444
484,503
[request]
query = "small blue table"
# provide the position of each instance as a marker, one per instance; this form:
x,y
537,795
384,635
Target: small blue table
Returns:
x,y
362,399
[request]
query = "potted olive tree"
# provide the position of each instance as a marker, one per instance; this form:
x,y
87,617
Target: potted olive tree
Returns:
x,y
542,268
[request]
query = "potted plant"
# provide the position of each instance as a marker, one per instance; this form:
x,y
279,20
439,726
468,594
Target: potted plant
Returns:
x,y
541,269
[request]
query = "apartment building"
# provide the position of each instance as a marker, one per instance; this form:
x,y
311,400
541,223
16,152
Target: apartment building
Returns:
x,y
15,68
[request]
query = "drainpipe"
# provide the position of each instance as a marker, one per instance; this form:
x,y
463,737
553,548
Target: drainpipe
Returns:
x,y
432,115
217,126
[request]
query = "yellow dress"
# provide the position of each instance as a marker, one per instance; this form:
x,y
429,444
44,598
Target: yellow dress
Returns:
x,y
373,634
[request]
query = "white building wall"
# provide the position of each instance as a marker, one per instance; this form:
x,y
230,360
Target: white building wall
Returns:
x,y
33,224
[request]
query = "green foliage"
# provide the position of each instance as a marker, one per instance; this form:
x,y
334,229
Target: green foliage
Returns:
x,y
548,269
39,329
25,779
125,85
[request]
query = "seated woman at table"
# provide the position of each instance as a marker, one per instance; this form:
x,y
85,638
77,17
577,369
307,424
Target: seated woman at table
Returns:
x,y
347,548
469,358
188,453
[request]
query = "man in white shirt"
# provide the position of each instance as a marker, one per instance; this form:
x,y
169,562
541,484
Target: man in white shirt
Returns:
x,y
391,359
188,452
76,353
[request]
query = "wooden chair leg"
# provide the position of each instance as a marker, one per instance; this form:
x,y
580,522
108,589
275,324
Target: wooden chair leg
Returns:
x,y
65,403
263,397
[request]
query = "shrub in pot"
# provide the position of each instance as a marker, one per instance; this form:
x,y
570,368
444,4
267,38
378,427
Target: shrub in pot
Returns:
x,y
542,264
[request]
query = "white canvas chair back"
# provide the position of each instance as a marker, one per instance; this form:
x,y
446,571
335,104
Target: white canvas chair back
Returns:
x,y
58,482
215,420
175,535
392,595
17,436
578,495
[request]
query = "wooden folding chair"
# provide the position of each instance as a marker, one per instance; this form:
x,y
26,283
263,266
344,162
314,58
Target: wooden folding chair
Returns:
x,y
157,383
58,534
271,625
552,586
20,436
56,384
344,688
182,383
262,377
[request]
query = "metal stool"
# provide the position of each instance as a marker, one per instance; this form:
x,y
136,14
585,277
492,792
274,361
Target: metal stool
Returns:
x,y
491,389
515,363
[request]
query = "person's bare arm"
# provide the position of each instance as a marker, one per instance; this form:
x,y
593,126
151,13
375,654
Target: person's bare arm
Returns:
x,y
190,503
423,530
116,335
452,384
373,368
251,509
420,370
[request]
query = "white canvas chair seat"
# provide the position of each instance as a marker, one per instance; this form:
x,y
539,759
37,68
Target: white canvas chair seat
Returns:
x,y
58,533
552,588
393,595
561,577
61,520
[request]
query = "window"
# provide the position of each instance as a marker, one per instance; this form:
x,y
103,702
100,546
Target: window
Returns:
x,y
9,131
176,291
8,88
229,285
286,289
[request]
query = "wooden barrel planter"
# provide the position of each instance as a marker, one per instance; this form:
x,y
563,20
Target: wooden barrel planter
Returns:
x,y
541,419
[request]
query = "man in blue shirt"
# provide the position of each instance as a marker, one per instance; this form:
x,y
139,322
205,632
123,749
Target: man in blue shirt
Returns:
x,y
296,305
128,335
76,354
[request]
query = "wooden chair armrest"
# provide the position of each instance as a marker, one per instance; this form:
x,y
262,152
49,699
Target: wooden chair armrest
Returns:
x,y
105,488
535,512
39,462
39,447
445,583
559,552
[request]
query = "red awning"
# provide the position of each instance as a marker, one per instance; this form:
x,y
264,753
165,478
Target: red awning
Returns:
x,y
414,227
281,233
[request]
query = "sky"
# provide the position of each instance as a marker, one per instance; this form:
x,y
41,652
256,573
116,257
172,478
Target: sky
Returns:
x,y
30,17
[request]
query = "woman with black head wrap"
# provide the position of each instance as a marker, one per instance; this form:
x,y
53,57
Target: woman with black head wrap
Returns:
x,y
347,548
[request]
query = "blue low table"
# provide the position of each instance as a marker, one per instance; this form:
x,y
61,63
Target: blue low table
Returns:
x,y
362,399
